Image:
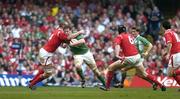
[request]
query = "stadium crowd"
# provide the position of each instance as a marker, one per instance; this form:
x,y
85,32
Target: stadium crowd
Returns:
x,y
25,26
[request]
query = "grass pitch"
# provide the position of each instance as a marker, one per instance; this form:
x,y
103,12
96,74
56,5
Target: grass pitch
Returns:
x,y
86,93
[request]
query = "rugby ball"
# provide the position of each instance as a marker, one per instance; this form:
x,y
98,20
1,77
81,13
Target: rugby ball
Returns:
x,y
73,40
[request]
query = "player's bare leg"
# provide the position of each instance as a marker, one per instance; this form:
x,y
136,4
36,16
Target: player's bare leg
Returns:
x,y
175,73
97,73
154,85
78,63
121,83
43,73
40,72
145,74
81,75
110,71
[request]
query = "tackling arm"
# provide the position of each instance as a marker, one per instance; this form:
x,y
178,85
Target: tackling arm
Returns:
x,y
71,36
81,41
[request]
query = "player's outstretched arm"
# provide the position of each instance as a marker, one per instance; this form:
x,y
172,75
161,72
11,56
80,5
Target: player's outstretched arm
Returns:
x,y
75,42
73,35
147,50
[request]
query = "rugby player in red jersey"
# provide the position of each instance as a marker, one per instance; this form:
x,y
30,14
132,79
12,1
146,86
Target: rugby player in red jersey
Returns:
x,y
173,51
125,42
58,36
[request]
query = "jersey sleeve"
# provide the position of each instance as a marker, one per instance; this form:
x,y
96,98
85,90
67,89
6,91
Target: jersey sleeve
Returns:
x,y
117,40
144,41
168,38
62,35
79,37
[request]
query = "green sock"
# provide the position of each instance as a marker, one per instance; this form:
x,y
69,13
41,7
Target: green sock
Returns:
x,y
102,80
80,73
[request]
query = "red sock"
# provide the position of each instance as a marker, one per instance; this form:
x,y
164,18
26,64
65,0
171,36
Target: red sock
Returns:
x,y
37,79
108,79
154,80
177,72
40,71
177,78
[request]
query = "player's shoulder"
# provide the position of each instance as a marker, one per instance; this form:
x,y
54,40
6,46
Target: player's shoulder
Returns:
x,y
120,36
169,31
140,37
124,35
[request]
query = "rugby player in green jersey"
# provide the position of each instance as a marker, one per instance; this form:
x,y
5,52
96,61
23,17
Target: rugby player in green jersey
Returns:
x,y
82,53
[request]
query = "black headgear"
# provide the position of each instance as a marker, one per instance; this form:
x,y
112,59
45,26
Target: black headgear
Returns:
x,y
166,24
121,28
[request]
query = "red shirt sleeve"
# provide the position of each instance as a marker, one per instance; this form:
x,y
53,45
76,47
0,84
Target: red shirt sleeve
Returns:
x,y
168,38
117,40
62,35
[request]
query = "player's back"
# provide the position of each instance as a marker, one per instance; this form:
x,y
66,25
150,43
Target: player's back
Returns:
x,y
174,39
126,42
57,37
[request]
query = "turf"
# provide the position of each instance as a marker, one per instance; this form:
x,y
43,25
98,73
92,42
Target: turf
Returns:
x,y
86,93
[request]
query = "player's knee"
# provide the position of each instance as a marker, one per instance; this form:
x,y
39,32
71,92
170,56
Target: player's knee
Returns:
x,y
78,64
143,74
170,73
123,70
140,75
96,71
111,68
46,75
48,72
137,74
78,67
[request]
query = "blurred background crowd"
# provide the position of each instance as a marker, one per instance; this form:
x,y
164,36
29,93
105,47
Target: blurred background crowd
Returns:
x,y
25,26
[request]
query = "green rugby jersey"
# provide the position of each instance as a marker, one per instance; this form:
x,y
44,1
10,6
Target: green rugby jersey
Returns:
x,y
79,49
140,42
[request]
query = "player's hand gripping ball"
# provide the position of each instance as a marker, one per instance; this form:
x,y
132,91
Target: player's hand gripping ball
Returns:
x,y
73,41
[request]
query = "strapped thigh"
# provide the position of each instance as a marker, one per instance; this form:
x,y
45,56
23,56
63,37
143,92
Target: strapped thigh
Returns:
x,y
48,68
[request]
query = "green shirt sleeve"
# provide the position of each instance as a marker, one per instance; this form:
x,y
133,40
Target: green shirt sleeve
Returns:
x,y
144,41
79,49
79,37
